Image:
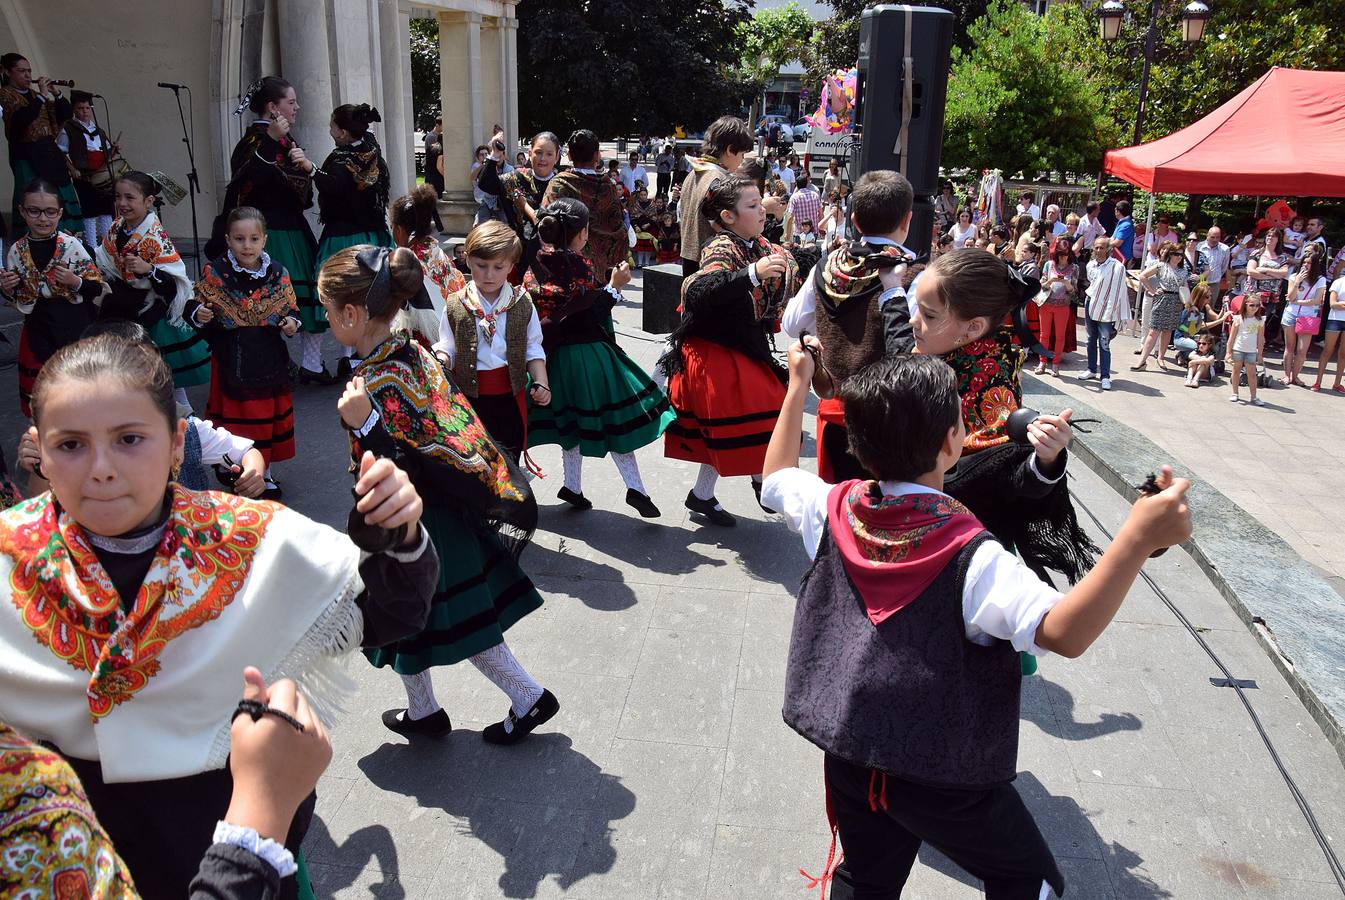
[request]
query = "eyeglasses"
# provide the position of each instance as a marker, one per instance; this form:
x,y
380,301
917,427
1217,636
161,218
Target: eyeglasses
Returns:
x,y
34,213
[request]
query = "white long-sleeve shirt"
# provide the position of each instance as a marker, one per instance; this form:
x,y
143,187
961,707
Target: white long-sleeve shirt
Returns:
x,y
1108,300
492,353
1001,598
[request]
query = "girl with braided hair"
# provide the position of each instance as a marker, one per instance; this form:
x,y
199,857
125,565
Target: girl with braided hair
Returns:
x,y
602,403
723,382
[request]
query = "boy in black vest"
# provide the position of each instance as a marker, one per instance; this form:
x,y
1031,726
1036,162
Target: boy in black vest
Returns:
x,y
903,664
842,301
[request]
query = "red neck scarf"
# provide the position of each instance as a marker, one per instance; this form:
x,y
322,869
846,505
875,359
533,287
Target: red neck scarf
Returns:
x,y
894,547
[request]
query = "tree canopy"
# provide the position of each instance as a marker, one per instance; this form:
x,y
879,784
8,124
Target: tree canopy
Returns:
x,y
1015,104
621,66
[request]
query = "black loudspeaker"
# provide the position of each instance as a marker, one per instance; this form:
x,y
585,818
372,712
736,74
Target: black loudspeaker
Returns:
x,y
879,91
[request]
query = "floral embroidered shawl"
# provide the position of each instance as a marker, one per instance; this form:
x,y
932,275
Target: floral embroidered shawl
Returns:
x,y
239,301
990,385
36,284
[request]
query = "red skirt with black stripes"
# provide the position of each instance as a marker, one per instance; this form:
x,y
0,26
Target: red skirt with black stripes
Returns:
x,y
267,421
726,408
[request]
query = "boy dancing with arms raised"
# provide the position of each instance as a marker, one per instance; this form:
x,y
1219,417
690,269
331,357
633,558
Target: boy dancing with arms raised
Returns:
x,y
903,664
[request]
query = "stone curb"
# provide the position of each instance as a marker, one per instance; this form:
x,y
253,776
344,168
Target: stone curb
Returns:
x,y
1294,613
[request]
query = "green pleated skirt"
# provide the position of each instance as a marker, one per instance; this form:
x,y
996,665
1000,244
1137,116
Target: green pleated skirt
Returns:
x,y
185,351
72,219
293,249
601,402
482,592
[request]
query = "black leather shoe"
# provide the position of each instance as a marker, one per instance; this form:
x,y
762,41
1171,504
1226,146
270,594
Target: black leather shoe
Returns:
x,y
577,500
756,489
711,510
434,725
643,505
320,376
521,726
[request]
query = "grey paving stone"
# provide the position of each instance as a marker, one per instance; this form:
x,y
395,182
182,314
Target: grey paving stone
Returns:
x,y
682,690
754,794
765,642
681,607
346,882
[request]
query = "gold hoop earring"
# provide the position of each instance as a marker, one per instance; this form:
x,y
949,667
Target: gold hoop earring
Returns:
x,y
177,469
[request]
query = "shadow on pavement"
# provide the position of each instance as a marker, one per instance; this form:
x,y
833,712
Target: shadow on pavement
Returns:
x,y
1058,719
1071,836
542,806
374,843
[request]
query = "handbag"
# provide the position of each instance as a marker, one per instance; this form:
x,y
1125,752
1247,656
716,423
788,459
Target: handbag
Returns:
x,y
1307,324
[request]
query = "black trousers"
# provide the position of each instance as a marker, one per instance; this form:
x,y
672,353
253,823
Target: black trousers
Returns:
x,y
663,181
499,413
990,833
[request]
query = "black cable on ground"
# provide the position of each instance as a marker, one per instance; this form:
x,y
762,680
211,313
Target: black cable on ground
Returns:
x,y
1337,871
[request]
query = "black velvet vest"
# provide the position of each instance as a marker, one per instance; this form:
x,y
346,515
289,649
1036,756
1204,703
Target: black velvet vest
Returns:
x,y
911,697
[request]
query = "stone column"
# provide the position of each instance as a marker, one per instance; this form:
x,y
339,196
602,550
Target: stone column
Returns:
x,y
511,75
461,102
305,62
399,127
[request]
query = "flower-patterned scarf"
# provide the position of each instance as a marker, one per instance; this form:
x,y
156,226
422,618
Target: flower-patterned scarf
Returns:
x,y
894,547
727,252
989,383
555,278
471,298
364,161
36,284
241,301
853,271
151,243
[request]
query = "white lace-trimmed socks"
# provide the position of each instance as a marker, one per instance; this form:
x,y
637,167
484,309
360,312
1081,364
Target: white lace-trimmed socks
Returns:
x,y
573,463
706,480
420,700
311,345
505,672
630,471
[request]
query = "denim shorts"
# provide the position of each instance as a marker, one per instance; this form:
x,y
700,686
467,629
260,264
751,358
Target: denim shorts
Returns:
x,y
1246,357
1335,324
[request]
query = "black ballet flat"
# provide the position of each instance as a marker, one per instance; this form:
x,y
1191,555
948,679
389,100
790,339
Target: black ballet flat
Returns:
x,y
643,505
577,500
711,510
316,376
435,725
756,489
546,706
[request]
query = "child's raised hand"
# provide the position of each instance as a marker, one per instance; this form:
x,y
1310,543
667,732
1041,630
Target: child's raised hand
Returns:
x,y
66,278
541,393
1050,435
279,127
801,362
387,497
300,159
770,266
204,314
28,456
621,275
289,325
354,404
1163,519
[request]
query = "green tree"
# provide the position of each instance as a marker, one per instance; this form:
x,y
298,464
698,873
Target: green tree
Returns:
x,y
1243,39
771,38
425,98
1013,103
622,66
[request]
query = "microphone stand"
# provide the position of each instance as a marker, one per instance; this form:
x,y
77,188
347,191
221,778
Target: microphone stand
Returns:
x,y
193,180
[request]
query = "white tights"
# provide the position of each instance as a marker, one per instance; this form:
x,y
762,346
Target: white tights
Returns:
x,y
573,461
311,345
498,664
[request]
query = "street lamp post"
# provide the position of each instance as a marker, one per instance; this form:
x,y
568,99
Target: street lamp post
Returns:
x,y
1194,17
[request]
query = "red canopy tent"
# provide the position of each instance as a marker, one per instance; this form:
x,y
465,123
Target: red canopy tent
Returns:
x,y
1284,135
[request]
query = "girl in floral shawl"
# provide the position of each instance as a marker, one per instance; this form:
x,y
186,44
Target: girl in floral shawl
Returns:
x,y
960,312
479,511
723,382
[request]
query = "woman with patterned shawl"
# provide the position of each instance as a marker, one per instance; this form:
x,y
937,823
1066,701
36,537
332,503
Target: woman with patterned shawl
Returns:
x,y
963,303
723,382
245,307
608,239
479,511
148,282
33,112
602,403
271,172
49,277
521,192
124,623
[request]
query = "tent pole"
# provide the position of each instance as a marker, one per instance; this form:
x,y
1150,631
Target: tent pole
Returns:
x,y
1148,231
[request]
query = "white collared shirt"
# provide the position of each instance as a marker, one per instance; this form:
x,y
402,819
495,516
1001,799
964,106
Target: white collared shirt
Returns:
x,y
493,353
1001,597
